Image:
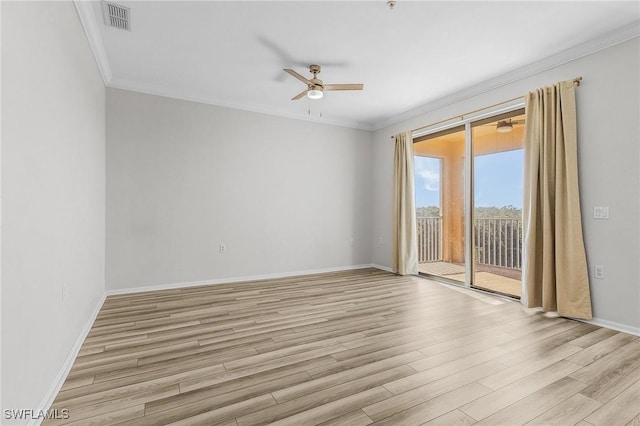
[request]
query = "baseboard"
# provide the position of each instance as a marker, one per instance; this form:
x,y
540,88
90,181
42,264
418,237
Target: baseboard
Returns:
x,y
231,280
624,328
383,268
49,397
60,378
614,326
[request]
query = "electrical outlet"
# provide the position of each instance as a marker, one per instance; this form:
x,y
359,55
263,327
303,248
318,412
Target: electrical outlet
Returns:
x,y
223,248
380,241
598,271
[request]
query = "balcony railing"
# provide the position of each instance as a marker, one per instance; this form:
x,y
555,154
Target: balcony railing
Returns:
x,y
429,239
498,241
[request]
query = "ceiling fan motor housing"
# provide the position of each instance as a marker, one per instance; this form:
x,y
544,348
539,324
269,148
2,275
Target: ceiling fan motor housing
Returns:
x,y
317,83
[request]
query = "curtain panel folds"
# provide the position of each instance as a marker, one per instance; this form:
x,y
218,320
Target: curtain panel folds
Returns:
x,y
555,275
405,245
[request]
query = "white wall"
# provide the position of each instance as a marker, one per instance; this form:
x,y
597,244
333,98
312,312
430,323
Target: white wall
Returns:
x,y
609,167
182,178
53,194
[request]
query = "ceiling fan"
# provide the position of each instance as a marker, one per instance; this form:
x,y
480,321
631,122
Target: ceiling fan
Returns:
x,y
315,87
505,126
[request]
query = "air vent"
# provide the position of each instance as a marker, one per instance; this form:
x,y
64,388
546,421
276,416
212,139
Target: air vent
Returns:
x,y
116,16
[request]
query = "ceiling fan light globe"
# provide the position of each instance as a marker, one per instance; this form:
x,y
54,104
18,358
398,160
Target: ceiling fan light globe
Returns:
x,y
315,94
504,127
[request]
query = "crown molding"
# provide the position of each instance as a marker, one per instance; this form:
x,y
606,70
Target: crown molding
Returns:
x,y
186,95
620,35
89,23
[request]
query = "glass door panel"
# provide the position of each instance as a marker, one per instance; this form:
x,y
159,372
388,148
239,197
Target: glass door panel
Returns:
x,y
498,161
439,186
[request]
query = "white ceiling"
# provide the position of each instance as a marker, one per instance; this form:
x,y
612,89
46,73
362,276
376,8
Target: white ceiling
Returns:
x,y
231,53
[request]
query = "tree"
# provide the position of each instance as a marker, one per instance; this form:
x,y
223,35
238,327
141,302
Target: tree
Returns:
x,y
429,211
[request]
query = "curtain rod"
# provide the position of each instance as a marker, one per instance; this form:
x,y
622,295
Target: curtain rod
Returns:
x,y
576,82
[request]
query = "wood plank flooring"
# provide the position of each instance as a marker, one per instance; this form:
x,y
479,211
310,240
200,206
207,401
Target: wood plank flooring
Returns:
x,y
349,348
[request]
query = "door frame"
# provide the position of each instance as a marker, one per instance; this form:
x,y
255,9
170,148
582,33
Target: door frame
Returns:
x,y
467,121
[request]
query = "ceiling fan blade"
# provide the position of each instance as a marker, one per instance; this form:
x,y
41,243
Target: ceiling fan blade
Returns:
x,y
512,122
298,76
300,95
343,86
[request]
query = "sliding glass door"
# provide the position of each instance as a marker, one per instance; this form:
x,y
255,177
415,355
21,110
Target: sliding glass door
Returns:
x,y
468,181
440,206
498,160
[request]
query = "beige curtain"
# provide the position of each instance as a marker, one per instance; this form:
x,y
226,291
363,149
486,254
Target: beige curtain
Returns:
x,y
405,246
555,272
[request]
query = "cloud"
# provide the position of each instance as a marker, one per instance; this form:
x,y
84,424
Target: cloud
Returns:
x,y
430,179
428,171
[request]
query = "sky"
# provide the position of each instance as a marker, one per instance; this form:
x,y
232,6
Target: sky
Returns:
x,y
497,179
427,181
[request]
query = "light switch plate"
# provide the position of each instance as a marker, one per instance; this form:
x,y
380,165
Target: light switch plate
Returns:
x,y
598,271
601,212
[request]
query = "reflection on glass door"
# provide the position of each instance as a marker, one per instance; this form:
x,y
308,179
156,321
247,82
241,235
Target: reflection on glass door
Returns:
x,y
440,203
498,159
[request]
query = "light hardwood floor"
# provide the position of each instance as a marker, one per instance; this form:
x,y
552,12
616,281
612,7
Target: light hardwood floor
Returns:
x,y
349,348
